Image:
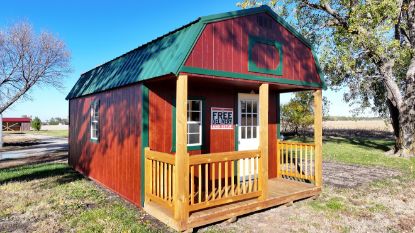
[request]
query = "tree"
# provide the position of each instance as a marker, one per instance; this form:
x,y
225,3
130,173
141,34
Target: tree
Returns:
x,y
367,46
36,124
298,114
28,59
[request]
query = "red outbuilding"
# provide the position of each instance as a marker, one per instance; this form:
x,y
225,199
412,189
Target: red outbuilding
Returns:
x,y
187,125
16,123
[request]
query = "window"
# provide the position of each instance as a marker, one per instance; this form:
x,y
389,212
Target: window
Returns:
x,y
194,122
95,121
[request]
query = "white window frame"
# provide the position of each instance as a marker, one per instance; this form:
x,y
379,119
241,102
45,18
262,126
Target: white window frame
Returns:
x,y
94,108
195,122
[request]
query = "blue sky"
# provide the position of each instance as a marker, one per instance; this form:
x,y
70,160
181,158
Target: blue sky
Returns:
x,y
97,31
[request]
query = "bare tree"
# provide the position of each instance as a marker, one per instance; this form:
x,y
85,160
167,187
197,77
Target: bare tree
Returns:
x,y
28,59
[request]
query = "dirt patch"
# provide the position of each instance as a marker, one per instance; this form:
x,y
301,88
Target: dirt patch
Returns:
x,y
18,141
354,199
350,176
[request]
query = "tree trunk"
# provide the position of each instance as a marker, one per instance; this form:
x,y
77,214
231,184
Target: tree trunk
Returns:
x,y
1,130
407,114
394,117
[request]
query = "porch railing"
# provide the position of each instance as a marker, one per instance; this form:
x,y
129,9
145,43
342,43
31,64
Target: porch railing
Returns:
x,y
296,160
221,178
159,168
214,179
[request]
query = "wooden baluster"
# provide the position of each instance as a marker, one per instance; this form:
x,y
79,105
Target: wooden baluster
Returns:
x,y
199,191
306,161
153,175
173,170
220,179
238,177
256,174
296,161
291,159
226,179
169,172
158,178
192,185
233,178
162,180
213,181
206,182
301,161
249,175
165,181
243,175
287,163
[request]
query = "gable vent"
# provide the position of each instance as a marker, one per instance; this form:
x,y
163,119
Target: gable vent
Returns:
x,y
264,22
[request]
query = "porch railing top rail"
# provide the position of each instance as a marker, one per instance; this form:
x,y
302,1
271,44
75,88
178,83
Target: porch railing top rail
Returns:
x,y
297,143
223,156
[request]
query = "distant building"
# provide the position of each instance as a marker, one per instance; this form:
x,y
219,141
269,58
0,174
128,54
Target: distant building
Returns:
x,y
16,123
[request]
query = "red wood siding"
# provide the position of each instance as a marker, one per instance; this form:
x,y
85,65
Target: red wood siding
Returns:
x,y
223,46
114,161
161,99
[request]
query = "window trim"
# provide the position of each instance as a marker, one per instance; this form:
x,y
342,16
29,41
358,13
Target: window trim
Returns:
x,y
200,126
189,147
93,108
252,66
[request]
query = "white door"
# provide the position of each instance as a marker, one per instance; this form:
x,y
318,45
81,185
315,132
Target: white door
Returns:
x,y
248,130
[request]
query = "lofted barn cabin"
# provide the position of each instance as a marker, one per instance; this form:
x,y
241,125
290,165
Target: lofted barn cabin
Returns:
x,y
187,125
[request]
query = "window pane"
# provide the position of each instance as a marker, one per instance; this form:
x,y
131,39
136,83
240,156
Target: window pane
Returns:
x,y
254,129
243,136
243,106
248,132
195,105
254,107
243,119
255,119
194,139
193,127
194,116
249,107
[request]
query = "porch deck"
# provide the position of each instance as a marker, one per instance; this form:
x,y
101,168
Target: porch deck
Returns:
x,y
280,191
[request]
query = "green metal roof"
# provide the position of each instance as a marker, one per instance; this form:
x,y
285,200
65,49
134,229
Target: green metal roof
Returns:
x,y
161,56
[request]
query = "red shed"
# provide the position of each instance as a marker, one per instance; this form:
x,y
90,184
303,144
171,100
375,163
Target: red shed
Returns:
x,y
16,123
187,125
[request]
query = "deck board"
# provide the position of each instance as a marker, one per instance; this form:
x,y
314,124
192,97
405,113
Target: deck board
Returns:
x,y
280,191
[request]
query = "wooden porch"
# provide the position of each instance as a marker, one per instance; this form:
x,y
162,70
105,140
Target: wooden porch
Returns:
x,y
280,191
189,191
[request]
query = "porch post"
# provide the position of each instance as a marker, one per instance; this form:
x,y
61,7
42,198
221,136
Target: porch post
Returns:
x,y
263,139
181,160
318,136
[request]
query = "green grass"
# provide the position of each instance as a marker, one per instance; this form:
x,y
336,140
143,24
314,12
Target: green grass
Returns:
x,y
57,197
333,204
363,151
53,133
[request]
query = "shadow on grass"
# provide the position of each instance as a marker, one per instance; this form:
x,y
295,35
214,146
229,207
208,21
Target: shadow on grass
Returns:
x,y
63,173
371,140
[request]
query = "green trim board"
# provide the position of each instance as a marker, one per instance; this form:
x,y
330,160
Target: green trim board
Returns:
x,y
144,137
219,73
319,70
252,66
189,148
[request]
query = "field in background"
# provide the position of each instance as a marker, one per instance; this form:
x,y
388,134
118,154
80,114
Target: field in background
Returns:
x,y
378,125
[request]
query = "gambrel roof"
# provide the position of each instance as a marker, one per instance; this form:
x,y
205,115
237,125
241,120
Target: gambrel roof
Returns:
x,y
163,56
